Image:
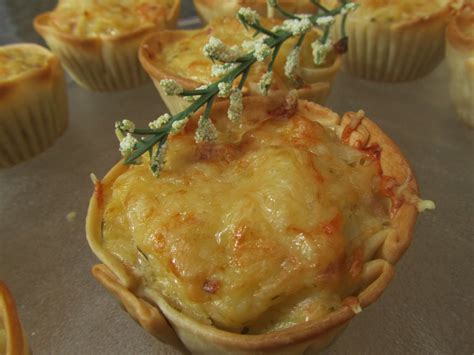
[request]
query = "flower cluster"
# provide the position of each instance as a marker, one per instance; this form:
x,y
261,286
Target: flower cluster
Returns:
x,y
206,131
292,63
171,87
236,106
158,160
215,49
160,121
231,66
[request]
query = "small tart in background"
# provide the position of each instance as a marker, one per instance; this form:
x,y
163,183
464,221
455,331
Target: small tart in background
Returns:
x,y
395,40
33,102
178,55
12,337
269,240
210,10
97,41
460,59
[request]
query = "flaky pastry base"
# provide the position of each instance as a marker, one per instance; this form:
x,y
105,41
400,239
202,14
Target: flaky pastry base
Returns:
x,y
106,63
317,87
16,342
396,51
382,251
33,110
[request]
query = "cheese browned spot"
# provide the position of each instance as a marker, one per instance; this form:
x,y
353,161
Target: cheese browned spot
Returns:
x,y
16,61
184,57
95,18
263,230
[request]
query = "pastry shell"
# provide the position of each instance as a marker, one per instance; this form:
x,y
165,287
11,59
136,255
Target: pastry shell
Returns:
x,y
209,10
16,342
460,60
105,63
33,109
170,326
395,51
317,87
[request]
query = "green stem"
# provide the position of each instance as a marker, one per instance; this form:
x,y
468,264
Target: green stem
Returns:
x,y
285,13
343,25
321,7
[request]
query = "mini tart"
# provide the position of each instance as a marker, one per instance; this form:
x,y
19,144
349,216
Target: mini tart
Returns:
x,y
395,40
33,102
185,282
98,43
210,10
178,55
12,338
460,59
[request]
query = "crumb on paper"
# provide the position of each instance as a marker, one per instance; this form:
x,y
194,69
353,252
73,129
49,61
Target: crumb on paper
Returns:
x,y
94,178
71,216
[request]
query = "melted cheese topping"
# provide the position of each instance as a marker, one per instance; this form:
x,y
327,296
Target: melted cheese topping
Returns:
x,y
399,10
260,231
184,57
96,18
15,61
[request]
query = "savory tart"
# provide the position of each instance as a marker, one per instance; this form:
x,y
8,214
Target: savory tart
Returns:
x,y
97,40
460,59
210,10
395,40
12,338
270,239
33,102
178,55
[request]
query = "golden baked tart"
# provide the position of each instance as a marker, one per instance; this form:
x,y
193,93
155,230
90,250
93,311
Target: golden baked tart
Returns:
x,y
178,55
33,102
97,40
460,59
395,40
210,10
12,338
269,240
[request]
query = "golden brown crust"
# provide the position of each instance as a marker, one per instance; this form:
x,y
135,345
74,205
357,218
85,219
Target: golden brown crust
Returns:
x,y
377,272
51,70
395,165
16,342
318,81
33,110
104,63
43,27
455,32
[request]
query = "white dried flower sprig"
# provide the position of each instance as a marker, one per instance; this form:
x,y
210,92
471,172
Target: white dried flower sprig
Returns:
x,y
265,82
292,63
158,160
171,87
215,49
231,68
236,106
206,131
320,51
